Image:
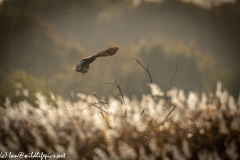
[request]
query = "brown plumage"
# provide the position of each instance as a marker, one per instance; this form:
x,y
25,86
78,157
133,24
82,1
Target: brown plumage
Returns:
x,y
84,64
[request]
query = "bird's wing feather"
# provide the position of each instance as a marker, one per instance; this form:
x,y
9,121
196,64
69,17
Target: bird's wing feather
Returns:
x,y
73,68
78,64
109,52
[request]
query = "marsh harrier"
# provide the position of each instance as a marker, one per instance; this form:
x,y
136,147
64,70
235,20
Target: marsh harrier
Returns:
x,y
84,64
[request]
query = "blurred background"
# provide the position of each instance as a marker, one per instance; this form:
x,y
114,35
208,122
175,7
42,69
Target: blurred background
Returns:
x,y
40,41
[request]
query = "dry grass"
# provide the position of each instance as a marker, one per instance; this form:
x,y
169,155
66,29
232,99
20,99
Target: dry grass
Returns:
x,y
201,127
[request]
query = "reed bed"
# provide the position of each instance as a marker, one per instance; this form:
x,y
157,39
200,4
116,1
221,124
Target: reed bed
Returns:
x,y
172,125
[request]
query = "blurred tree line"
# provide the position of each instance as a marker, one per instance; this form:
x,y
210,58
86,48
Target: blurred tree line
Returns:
x,y
19,86
34,45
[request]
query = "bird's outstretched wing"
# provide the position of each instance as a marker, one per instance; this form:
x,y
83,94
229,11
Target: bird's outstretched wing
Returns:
x,y
109,52
84,64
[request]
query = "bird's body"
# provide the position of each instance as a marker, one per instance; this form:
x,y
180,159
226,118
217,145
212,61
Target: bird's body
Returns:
x,y
84,64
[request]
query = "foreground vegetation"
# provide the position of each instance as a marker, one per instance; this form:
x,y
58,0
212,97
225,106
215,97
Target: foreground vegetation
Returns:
x,y
179,126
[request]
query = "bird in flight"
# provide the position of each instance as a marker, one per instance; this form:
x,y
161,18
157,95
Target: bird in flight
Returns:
x,y
84,64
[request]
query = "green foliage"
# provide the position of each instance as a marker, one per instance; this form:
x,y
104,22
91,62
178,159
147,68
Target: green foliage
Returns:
x,y
19,86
